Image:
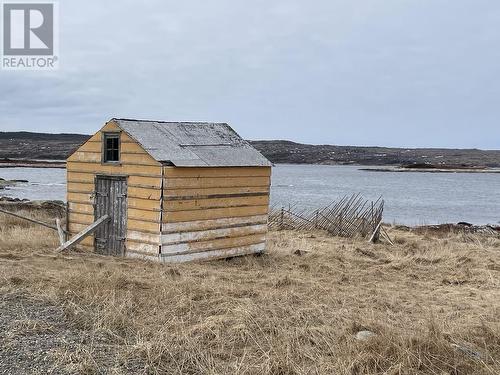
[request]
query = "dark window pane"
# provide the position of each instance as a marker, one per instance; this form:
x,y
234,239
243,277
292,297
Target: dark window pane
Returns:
x,y
111,148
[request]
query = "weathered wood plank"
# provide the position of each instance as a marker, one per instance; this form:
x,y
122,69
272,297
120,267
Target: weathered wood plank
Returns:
x,y
195,192
84,233
213,244
213,213
145,193
138,236
217,172
144,204
214,254
142,247
201,204
139,214
119,169
143,226
29,219
80,187
86,177
81,208
60,231
172,238
200,225
212,182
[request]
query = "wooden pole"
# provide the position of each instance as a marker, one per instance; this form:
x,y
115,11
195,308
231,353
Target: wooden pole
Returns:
x,y
84,233
375,233
60,231
29,219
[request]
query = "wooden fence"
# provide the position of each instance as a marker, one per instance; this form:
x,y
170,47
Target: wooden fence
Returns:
x,y
350,216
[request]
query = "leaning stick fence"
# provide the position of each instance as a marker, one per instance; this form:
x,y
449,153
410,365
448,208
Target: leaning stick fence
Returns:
x,y
350,216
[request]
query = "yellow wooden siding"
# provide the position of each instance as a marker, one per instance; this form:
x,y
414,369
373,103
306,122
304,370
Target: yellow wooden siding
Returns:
x,y
194,192
214,182
193,247
205,235
143,194
213,213
142,247
201,204
212,254
174,172
114,169
202,225
143,226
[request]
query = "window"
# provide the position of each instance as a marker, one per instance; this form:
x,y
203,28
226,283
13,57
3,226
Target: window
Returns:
x,y
111,152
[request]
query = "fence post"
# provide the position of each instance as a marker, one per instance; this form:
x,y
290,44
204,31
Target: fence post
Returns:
x,y
282,214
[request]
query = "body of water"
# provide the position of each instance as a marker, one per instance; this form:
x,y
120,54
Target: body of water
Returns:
x,y
411,198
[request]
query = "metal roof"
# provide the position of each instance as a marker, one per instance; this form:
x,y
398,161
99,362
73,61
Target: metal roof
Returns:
x,y
193,144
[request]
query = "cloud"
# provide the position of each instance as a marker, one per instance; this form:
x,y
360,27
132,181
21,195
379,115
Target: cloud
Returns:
x,y
387,72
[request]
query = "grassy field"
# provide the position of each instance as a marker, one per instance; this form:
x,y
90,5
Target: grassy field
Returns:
x,y
433,303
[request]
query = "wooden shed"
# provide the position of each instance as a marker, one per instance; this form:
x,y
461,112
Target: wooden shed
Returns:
x,y
175,191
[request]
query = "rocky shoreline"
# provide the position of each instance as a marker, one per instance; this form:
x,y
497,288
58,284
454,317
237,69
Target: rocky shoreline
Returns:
x,y
5,184
27,163
432,170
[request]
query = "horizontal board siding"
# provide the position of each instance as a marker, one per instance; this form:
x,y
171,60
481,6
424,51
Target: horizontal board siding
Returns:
x,y
217,244
80,187
211,182
139,214
142,247
131,158
214,254
81,208
173,238
143,204
92,145
201,204
213,213
87,156
85,177
200,225
79,197
120,169
194,192
217,172
137,159
144,181
81,218
137,236
143,226
144,193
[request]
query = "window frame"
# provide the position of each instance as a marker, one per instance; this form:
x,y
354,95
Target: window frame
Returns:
x,y
105,137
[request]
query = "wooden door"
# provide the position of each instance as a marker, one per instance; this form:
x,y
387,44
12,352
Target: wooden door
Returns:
x,y
111,199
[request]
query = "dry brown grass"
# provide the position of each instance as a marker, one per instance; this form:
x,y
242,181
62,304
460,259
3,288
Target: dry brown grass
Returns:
x,y
275,314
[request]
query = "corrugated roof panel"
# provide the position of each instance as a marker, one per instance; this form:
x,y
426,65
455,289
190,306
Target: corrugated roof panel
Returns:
x,y
193,144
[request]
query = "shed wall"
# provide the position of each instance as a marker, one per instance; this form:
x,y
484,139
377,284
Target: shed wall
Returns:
x,y
144,176
214,212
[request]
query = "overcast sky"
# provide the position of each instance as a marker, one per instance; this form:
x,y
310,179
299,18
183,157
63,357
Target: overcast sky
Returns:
x,y
408,73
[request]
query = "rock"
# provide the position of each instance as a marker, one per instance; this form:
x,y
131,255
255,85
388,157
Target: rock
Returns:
x,y
469,352
365,335
300,252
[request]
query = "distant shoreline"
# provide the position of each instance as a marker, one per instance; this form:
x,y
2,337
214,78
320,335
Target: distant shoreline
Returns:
x,y
431,170
27,163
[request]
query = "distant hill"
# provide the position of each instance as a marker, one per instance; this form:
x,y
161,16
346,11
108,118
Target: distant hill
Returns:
x,y
29,145
298,153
